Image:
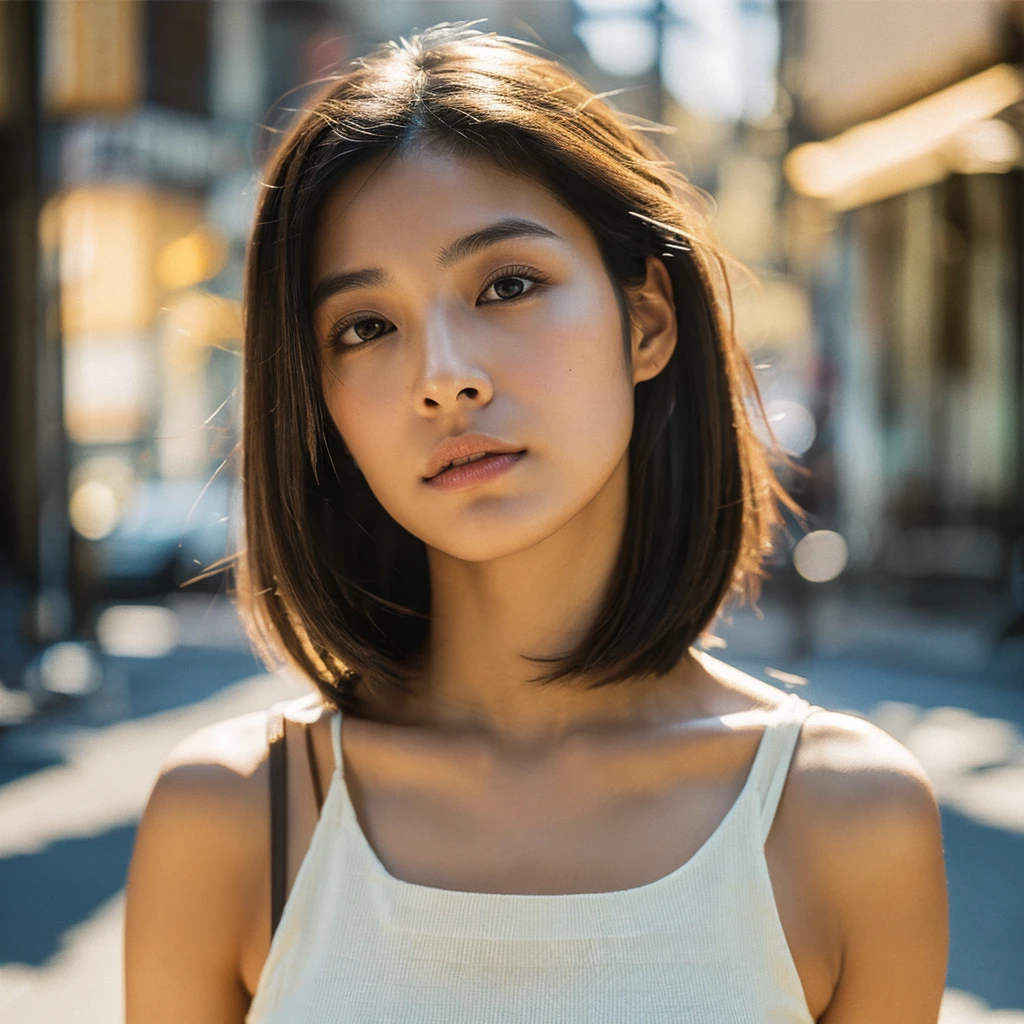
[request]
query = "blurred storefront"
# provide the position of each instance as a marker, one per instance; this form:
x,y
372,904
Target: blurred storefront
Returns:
x,y
130,142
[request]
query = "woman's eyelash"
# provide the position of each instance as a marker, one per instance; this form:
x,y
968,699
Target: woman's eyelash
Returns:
x,y
524,272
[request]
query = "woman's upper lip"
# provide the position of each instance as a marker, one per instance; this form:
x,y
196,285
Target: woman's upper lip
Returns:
x,y
459,447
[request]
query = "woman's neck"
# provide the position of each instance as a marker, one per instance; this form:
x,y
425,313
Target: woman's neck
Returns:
x,y
540,601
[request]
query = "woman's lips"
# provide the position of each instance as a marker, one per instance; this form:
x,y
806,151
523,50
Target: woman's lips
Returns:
x,y
475,472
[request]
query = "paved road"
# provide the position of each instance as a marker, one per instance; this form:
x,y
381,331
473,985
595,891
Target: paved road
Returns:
x,y
72,788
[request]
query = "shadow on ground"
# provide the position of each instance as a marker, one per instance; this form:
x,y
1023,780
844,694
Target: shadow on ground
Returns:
x,y
56,888
132,688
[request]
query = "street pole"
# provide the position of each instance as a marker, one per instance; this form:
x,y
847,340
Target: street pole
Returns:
x,y
660,13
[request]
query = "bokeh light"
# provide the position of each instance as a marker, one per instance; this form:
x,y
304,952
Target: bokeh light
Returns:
x,y
192,258
137,631
100,489
69,668
792,423
624,46
94,509
821,556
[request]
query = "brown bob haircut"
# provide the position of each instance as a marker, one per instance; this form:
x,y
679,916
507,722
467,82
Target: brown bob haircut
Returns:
x,y
328,581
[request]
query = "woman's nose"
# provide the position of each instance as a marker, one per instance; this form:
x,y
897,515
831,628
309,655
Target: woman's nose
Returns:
x,y
451,373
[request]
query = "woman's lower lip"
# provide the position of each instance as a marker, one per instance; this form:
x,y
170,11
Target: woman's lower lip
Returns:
x,y
475,472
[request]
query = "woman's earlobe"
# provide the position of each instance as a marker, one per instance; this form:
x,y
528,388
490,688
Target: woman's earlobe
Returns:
x,y
656,326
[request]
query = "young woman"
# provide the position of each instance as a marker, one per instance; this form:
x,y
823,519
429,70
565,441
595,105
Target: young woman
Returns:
x,y
500,478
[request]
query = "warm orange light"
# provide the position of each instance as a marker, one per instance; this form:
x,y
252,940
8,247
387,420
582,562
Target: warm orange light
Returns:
x,y
918,145
110,238
196,320
195,257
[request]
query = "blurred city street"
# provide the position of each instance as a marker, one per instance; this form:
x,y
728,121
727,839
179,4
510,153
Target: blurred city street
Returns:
x,y
75,782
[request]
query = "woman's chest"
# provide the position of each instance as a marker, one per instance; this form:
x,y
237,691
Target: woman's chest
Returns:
x,y
531,840
566,831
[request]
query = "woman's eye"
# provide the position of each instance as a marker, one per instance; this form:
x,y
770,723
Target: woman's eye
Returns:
x,y
513,284
368,329
352,333
508,287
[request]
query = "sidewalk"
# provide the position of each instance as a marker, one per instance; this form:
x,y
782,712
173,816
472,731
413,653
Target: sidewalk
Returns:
x,y
88,806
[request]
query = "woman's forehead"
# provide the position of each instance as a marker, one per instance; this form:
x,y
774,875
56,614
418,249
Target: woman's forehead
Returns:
x,y
422,197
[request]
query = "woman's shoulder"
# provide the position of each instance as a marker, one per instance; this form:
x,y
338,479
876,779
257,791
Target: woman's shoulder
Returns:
x,y
844,765
201,851
212,786
852,797
199,865
222,767
850,771
209,796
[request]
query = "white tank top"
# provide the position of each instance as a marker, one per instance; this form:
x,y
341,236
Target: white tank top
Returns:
x,y
701,945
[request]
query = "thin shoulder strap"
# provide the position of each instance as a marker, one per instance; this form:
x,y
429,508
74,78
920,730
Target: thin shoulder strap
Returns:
x,y
314,775
278,816
336,741
776,754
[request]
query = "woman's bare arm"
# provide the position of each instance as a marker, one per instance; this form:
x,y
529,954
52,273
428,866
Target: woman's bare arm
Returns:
x,y
192,879
879,847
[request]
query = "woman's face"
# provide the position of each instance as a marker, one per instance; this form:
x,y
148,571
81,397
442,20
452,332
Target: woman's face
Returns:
x,y
451,298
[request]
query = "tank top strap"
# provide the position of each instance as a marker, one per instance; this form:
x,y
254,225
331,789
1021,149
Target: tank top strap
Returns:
x,y
771,764
336,741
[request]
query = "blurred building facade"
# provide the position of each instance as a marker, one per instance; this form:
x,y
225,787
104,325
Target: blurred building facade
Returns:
x,y
904,222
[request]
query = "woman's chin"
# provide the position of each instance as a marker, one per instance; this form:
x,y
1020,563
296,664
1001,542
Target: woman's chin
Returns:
x,y
478,539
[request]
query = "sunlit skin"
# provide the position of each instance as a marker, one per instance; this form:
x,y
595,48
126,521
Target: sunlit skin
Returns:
x,y
521,339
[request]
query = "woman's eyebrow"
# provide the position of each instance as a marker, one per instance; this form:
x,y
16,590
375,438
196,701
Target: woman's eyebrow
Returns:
x,y
499,231
460,249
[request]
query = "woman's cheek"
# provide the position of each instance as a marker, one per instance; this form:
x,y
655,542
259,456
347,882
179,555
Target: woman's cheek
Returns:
x,y
361,422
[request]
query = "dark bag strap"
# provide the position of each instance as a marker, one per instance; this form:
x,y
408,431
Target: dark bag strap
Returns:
x,y
318,793
279,810
278,816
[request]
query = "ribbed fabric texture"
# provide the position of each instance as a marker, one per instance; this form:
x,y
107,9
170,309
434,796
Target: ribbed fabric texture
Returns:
x,y
702,945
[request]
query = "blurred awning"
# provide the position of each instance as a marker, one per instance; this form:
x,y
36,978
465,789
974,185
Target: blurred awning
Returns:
x,y
953,131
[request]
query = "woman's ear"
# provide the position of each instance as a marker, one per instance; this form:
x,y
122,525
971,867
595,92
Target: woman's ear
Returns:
x,y
653,326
